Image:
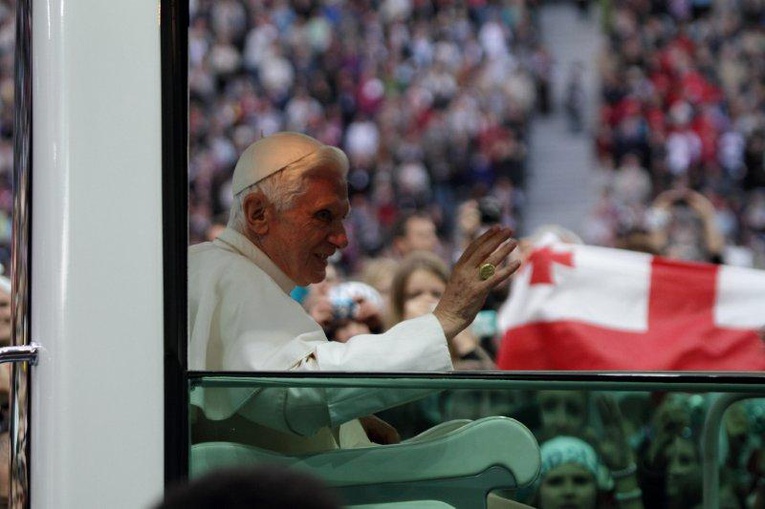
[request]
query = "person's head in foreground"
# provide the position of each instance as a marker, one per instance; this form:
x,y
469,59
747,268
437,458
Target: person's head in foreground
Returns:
x,y
571,477
290,200
262,487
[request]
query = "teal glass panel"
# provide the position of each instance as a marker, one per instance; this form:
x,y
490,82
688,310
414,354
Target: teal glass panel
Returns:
x,y
492,439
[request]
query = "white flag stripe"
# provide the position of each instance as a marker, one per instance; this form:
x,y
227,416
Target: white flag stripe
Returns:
x,y
605,287
740,299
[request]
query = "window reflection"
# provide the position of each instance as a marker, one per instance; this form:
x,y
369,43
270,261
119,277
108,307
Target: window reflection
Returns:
x,y
642,448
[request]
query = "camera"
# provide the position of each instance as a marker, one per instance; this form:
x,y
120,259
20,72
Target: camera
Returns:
x,y
343,308
490,209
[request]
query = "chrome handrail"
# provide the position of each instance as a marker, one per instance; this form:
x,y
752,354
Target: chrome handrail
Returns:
x,y
22,346
21,353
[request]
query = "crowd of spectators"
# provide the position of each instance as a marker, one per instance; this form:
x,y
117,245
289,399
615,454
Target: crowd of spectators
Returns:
x,y
7,38
430,100
642,450
682,108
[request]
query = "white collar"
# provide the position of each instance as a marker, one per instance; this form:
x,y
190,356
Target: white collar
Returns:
x,y
241,244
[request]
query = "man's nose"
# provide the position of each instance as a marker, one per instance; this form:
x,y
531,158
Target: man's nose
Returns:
x,y
338,237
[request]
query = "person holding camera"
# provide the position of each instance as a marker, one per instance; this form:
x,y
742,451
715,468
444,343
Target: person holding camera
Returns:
x,y
683,226
290,200
348,309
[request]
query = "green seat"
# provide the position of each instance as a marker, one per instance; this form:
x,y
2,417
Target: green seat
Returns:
x,y
454,464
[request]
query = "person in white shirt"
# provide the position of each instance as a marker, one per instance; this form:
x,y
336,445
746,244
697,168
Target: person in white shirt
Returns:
x,y
290,200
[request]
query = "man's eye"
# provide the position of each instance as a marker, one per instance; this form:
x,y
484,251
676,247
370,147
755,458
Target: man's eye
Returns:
x,y
324,215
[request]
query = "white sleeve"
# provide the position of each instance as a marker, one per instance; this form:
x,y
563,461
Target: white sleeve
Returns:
x,y
413,345
304,410
418,344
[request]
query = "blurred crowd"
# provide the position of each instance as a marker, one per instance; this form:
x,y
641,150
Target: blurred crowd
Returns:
x,y
7,38
681,128
642,450
430,100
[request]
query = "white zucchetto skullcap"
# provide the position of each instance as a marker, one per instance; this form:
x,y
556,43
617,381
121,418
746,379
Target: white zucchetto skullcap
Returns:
x,y
272,153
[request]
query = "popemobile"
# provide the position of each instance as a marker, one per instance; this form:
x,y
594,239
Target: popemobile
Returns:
x,y
102,400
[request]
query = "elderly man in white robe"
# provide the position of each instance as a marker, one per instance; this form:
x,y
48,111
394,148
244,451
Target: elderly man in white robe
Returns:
x,y
290,200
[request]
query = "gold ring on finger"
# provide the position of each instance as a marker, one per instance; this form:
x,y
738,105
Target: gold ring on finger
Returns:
x,y
486,270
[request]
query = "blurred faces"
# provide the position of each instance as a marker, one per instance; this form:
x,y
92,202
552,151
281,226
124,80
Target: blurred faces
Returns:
x,y
563,412
301,239
422,292
736,422
671,417
378,273
683,466
420,235
568,486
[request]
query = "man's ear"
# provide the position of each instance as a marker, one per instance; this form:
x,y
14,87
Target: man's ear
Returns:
x,y
257,213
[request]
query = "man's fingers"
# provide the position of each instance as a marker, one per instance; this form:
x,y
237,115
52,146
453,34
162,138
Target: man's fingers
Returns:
x,y
484,251
499,256
471,248
479,249
505,272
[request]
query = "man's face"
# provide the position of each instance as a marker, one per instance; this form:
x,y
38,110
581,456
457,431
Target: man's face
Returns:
x,y
300,240
421,235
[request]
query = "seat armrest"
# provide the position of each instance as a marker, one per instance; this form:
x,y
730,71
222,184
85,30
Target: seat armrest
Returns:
x,y
461,450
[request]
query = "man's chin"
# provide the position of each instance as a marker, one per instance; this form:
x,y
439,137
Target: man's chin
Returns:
x,y
315,277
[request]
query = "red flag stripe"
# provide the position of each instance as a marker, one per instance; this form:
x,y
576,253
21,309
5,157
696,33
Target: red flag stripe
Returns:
x,y
568,345
681,289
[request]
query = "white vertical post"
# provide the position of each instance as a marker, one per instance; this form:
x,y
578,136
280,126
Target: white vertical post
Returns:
x,y
97,392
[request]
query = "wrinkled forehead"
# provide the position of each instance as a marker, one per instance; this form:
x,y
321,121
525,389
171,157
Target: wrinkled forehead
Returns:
x,y
330,181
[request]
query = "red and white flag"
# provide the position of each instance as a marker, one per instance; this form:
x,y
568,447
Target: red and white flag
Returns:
x,y
576,307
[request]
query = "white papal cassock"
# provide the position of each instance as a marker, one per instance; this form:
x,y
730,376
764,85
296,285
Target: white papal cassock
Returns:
x,y
242,318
